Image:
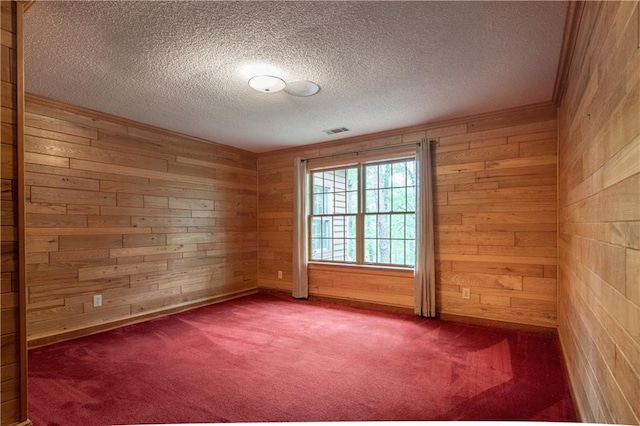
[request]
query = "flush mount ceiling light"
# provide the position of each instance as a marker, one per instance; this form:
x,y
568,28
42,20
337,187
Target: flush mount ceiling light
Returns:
x,y
267,83
302,88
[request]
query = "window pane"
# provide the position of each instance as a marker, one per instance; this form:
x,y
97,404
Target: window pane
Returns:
x,y
371,177
384,251
338,249
410,226
351,250
326,249
370,228
411,199
339,223
397,252
316,251
384,200
328,180
316,227
340,178
399,200
352,179
370,250
371,199
397,226
399,174
411,173
327,227
351,227
384,175
339,188
318,205
333,238
340,203
318,183
352,202
384,225
410,247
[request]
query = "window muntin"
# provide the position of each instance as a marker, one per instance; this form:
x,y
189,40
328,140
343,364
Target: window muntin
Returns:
x,y
364,213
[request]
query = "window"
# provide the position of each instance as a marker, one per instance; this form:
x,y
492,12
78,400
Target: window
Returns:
x,y
334,200
364,213
321,247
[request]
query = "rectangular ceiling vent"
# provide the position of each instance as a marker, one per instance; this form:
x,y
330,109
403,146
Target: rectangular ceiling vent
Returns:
x,y
336,130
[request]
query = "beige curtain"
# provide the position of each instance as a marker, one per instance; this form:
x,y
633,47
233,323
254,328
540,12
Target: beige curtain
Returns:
x,y
424,272
300,257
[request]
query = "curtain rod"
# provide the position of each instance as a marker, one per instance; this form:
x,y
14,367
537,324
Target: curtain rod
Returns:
x,y
365,151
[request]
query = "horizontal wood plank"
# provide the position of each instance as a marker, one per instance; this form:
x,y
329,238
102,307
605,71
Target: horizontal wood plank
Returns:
x,y
109,203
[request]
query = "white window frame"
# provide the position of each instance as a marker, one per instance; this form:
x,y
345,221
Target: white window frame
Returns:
x,y
360,214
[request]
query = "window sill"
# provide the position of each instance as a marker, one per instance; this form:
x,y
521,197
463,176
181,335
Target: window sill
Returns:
x,y
365,269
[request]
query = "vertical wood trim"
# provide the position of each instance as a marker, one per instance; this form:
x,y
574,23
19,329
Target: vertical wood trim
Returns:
x,y
558,227
571,27
21,209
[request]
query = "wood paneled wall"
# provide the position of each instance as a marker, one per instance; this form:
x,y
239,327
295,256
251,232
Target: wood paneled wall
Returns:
x,y
150,220
496,221
11,409
599,240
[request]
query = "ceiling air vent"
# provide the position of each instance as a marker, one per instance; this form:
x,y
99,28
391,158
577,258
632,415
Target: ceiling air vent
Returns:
x,y
336,130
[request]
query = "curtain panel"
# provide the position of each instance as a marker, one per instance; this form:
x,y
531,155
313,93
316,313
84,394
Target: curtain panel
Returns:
x,y
424,272
300,230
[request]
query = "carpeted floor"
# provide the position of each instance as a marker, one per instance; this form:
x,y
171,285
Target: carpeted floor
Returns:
x,y
265,358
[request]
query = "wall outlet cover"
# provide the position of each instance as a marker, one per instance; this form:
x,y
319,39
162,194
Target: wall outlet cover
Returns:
x,y
97,300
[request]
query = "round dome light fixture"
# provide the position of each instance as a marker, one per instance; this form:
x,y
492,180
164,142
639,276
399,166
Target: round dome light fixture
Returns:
x,y
267,83
302,88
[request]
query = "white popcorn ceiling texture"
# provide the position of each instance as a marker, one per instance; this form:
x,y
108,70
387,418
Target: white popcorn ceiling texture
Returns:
x,y
184,65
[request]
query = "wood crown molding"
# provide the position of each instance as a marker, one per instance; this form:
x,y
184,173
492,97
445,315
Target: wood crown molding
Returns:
x,y
571,28
75,109
413,129
49,102
26,4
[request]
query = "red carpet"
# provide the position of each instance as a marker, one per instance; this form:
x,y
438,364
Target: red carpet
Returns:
x,y
264,358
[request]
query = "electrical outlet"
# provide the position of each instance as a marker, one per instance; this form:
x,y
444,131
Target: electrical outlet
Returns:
x,y
466,293
97,300
280,274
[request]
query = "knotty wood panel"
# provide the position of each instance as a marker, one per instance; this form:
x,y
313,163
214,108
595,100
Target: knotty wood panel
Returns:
x,y
150,220
599,215
496,190
11,408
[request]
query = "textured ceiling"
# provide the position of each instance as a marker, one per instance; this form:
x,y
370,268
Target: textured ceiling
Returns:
x,y
184,65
